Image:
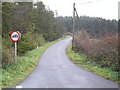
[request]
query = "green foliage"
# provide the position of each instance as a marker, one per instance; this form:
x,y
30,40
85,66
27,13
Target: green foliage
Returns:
x,y
7,51
29,41
39,39
7,15
35,23
7,56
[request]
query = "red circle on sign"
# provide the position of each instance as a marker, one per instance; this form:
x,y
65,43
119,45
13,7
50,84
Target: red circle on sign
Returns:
x,y
18,36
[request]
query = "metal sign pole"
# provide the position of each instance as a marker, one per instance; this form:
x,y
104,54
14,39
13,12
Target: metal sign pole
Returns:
x,y
15,37
15,55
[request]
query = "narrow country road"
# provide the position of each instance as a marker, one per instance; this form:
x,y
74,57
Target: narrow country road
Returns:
x,y
55,70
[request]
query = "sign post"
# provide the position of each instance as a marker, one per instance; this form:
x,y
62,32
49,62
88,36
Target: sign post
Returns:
x,y
15,56
15,37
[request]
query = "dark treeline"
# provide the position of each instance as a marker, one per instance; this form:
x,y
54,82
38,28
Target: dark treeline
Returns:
x,y
93,25
26,17
36,24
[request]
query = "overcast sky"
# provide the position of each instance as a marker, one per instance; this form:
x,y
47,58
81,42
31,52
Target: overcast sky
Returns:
x,y
99,8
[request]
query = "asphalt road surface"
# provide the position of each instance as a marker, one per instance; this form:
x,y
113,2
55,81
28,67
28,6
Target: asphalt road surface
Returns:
x,y
55,70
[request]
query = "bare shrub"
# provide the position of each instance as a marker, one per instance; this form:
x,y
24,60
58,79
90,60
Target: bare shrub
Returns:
x,y
103,51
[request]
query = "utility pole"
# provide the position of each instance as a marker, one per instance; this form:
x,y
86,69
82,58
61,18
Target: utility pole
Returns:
x,y
73,24
99,29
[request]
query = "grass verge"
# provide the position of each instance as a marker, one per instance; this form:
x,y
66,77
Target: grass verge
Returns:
x,y
81,61
14,73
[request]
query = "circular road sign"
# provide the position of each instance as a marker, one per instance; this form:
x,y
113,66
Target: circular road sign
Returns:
x,y
15,36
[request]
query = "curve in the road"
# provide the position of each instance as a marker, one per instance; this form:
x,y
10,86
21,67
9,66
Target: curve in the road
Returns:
x,y
55,70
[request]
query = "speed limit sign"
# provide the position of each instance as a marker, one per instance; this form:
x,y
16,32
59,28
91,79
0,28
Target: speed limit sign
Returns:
x,y
15,36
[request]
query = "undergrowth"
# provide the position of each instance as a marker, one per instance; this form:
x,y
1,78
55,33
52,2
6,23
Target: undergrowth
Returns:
x,y
80,60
